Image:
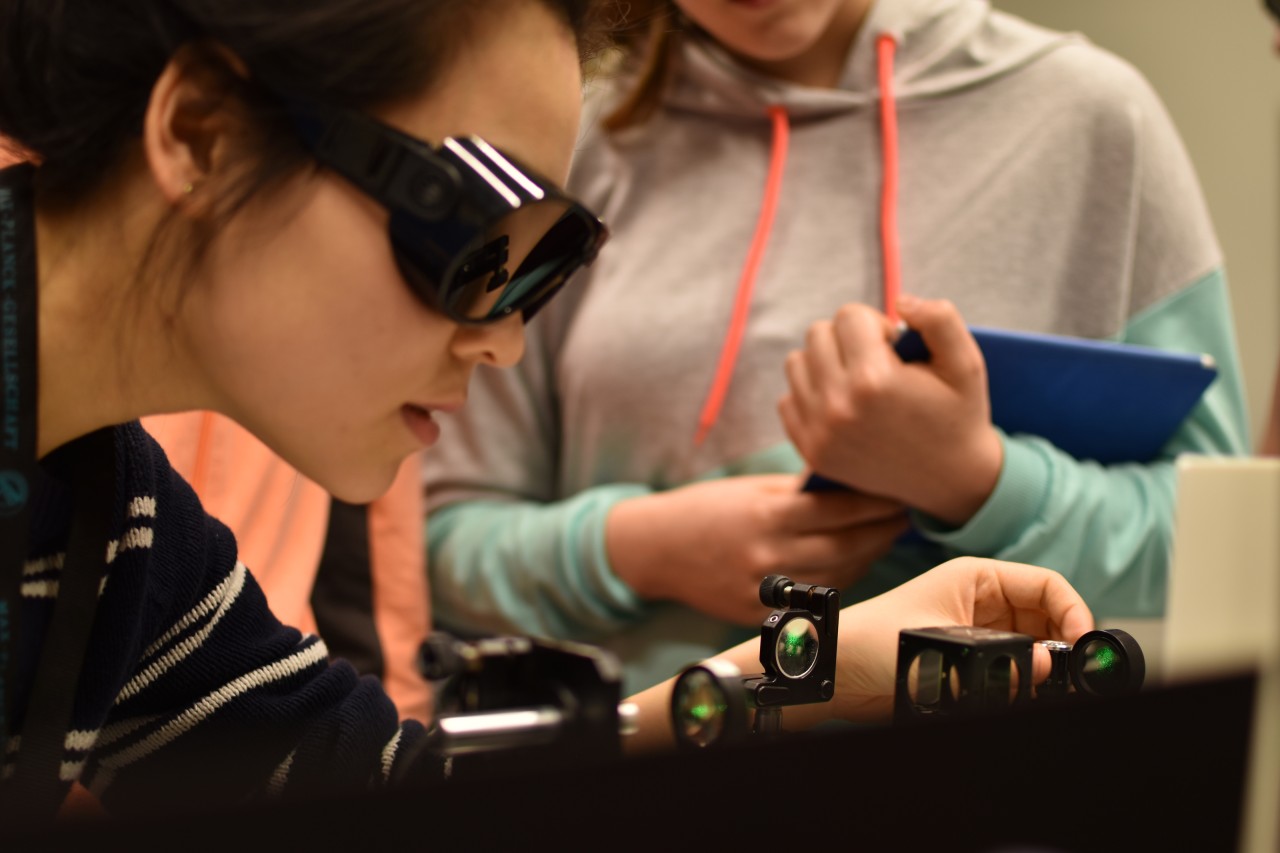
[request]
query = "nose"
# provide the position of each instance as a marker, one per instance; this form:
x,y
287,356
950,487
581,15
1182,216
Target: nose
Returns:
x,y
500,344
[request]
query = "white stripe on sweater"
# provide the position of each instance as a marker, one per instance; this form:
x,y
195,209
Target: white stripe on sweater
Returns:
x,y
163,664
208,705
49,589
198,612
135,538
142,507
80,740
280,776
389,754
51,563
124,728
40,589
68,771
138,537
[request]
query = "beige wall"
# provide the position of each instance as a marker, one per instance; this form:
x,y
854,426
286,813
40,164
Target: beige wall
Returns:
x,y
1213,64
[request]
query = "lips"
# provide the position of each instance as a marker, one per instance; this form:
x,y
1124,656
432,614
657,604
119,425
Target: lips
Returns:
x,y
419,421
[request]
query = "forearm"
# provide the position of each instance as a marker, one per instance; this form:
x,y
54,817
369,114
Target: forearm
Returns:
x,y
519,567
1106,529
640,547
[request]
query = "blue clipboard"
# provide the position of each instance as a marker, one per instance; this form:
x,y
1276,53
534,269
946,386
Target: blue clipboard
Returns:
x,y
1100,400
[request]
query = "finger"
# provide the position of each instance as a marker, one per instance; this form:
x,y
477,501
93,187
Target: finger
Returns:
x,y
801,383
1041,664
841,558
822,356
831,511
784,486
1017,587
862,543
1034,622
793,421
864,336
954,353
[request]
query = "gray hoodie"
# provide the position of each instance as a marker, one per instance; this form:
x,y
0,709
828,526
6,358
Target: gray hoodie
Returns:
x,y
1042,187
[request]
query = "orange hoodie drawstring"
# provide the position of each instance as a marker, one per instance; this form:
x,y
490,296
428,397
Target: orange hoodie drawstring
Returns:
x,y
746,283
886,48
890,251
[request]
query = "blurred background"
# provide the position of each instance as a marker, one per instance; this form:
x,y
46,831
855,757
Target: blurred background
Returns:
x,y
1214,65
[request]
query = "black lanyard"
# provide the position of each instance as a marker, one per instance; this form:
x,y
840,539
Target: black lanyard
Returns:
x,y
35,790
18,352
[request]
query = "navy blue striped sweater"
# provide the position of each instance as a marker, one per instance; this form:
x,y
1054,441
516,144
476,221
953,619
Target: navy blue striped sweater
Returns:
x,y
191,691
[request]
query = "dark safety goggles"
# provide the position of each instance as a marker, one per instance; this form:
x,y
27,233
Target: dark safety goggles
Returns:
x,y
459,214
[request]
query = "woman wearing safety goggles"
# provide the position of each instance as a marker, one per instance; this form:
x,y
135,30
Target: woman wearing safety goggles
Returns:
x,y
318,218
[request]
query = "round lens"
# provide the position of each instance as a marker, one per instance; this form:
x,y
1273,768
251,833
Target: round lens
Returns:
x,y
701,708
796,649
1104,663
1103,667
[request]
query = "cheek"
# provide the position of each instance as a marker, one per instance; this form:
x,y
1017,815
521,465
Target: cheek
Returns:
x,y
333,265
316,316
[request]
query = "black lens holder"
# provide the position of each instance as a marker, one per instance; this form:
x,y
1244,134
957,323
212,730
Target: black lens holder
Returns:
x,y
961,669
711,701
513,703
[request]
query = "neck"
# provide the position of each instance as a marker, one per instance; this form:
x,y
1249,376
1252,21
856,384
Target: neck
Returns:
x,y
106,354
822,64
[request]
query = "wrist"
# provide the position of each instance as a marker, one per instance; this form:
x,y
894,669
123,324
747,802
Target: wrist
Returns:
x,y
970,485
633,545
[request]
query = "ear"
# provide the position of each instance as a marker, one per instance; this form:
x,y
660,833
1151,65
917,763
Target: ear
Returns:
x,y
189,125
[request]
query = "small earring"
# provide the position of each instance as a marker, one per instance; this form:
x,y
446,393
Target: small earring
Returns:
x,y
188,188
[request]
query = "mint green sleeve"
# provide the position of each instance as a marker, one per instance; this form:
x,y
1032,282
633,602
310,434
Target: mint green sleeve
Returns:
x,y
1108,529
501,567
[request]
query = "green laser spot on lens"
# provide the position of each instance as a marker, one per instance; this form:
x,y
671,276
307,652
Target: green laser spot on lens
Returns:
x,y
794,640
705,711
1106,658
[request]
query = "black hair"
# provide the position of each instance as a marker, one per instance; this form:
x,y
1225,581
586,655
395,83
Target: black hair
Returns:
x,y
76,78
76,75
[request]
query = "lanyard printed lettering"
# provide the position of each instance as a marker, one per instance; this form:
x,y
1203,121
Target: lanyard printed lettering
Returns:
x,y
17,416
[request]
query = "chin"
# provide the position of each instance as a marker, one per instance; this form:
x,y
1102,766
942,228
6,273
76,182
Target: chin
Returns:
x,y
353,470
362,485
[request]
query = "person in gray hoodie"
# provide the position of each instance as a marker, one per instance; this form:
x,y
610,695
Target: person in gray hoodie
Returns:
x,y
763,163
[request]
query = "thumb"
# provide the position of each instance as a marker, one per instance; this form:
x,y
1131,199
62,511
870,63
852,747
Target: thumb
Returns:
x,y
954,354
